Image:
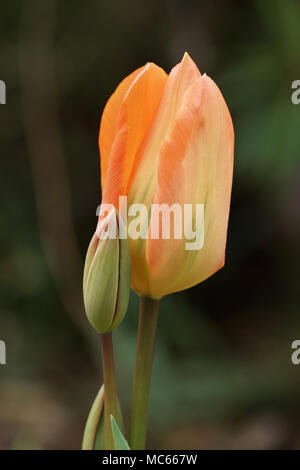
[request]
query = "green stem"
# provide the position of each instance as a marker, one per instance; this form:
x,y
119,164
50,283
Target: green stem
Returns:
x,y
110,390
142,374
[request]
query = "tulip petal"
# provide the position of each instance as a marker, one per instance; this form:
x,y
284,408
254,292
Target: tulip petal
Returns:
x,y
145,171
195,166
144,181
109,121
133,119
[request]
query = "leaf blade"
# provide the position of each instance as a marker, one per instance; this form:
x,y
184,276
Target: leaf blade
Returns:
x,y
119,439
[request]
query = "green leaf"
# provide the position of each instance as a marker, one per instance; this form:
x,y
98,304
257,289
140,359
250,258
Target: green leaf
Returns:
x,y
119,439
94,422
93,438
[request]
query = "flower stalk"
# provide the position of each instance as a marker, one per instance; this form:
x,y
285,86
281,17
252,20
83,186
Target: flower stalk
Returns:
x,y
143,369
110,395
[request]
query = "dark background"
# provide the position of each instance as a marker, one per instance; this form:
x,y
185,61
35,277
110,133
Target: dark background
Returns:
x,y
223,376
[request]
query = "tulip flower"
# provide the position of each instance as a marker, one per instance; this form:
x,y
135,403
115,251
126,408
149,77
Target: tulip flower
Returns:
x,y
166,144
168,139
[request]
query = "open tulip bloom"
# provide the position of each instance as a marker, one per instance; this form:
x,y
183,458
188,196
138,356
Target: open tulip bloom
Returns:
x,y
166,145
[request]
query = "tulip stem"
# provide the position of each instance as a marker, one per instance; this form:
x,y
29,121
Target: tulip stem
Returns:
x,y
110,390
142,374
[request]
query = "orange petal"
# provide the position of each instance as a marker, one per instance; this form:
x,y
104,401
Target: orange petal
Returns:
x,y
195,166
109,120
133,121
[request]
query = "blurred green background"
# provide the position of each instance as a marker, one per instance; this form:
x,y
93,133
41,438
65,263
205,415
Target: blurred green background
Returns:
x,y
223,376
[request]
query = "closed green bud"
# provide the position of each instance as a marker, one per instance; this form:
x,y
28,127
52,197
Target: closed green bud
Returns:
x,y
106,279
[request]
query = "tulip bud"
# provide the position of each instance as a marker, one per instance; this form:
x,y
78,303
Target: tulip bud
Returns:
x,y
106,279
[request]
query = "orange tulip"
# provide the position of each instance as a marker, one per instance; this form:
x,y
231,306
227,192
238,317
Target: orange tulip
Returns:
x,y
168,139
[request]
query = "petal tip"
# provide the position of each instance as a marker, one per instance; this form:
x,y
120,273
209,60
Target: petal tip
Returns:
x,y
186,56
188,61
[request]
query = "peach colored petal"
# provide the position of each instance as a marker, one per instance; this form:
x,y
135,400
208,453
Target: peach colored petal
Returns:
x,y
144,174
195,166
145,166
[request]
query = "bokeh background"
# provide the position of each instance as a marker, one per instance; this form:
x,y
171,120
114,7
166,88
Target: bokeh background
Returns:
x,y
223,376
